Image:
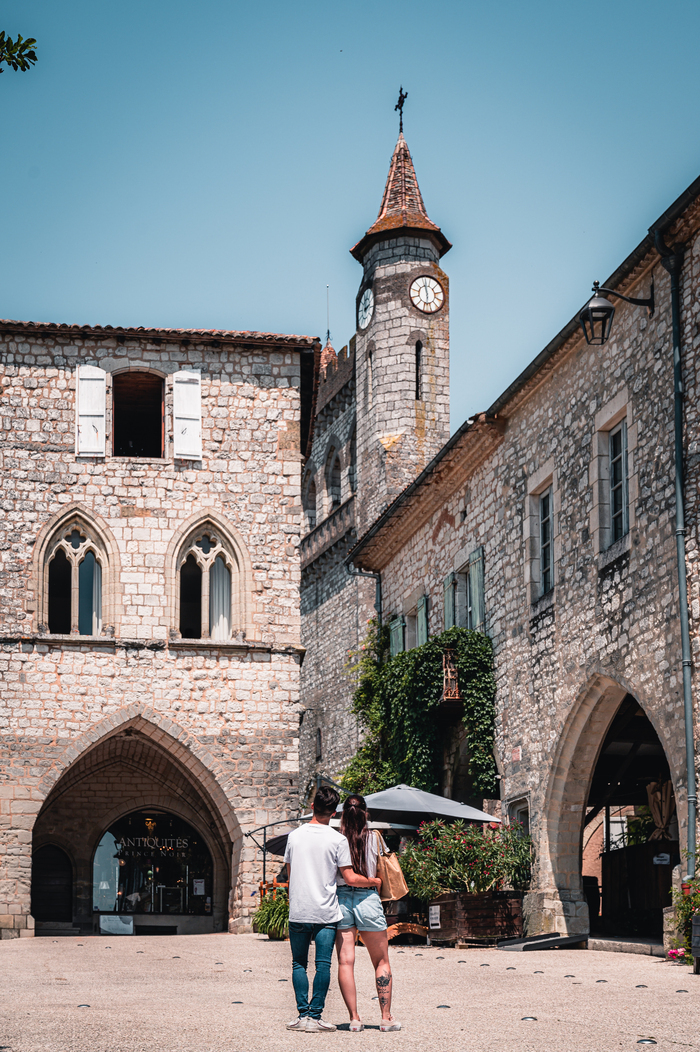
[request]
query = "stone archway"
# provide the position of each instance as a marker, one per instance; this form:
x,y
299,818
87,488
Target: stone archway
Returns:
x,y
558,903
135,766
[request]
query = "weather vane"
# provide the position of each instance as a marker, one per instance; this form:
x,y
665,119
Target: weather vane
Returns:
x,y
403,95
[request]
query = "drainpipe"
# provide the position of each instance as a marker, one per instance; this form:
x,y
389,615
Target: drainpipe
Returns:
x,y
672,261
378,597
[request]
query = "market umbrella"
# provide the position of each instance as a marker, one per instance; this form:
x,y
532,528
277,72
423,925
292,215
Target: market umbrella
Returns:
x,y
403,800
277,845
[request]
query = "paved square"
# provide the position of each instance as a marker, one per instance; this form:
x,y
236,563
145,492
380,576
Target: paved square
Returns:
x,y
169,994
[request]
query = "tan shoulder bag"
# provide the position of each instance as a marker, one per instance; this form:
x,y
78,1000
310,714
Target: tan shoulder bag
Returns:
x,y
394,884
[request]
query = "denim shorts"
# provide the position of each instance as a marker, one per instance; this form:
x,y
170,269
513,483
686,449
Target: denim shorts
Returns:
x,y
362,909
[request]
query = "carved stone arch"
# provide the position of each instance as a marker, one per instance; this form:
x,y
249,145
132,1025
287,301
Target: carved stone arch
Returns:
x,y
577,750
238,558
105,547
182,748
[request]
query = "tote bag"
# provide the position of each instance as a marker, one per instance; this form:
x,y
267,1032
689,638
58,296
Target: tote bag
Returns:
x,y
394,884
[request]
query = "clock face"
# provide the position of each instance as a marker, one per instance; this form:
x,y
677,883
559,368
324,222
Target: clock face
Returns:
x,y
427,294
366,309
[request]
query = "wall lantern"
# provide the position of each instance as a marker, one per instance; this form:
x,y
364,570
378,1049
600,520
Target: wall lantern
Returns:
x,y
597,316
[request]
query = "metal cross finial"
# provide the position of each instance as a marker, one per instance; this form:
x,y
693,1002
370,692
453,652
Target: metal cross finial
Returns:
x,y
403,95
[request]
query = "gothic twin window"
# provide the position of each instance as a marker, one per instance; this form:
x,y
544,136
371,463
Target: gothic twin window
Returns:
x,y
205,571
75,584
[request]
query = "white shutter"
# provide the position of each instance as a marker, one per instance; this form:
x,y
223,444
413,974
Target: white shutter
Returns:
x,y
90,424
187,414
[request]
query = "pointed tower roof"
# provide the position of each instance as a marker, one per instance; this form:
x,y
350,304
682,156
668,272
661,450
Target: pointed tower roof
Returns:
x,y
328,356
402,206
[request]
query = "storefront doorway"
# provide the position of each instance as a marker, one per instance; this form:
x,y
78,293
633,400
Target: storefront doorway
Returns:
x,y
152,862
630,838
52,886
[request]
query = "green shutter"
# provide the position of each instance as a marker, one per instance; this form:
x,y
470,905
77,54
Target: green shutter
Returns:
x,y
396,636
449,588
477,616
422,621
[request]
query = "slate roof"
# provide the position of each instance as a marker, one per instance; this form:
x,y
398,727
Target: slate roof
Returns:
x,y
402,205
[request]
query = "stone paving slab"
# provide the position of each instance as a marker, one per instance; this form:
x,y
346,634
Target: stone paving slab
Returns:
x,y
167,994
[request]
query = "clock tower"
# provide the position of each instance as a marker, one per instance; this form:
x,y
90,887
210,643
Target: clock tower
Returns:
x,y
401,345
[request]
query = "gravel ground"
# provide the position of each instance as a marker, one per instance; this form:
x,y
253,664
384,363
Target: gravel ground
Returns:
x,y
210,993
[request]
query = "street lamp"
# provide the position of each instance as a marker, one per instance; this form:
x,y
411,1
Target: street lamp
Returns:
x,y
597,316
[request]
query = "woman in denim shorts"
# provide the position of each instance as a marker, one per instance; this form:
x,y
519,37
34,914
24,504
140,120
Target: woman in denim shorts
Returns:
x,y
362,911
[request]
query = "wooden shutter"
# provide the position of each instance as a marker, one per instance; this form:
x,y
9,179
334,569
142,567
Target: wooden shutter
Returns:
x,y
396,636
449,588
476,590
90,421
187,414
422,621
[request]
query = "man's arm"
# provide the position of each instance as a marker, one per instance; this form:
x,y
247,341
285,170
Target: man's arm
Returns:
x,y
356,880
289,870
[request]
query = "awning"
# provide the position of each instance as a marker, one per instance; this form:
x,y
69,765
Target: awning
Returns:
x,y
404,800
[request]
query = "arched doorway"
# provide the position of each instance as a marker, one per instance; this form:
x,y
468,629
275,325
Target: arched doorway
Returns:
x,y
630,834
52,886
128,780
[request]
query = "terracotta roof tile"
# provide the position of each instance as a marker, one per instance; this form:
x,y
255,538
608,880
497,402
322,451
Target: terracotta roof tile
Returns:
x,y
205,335
402,204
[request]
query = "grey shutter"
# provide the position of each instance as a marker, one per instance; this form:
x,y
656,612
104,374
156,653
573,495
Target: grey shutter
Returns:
x,y
187,414
90,419
449,588
422,621
396,636
476,590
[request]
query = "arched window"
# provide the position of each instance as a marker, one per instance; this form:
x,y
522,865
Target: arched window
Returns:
x,y
419,365
74,570
205,570
309,504
334,483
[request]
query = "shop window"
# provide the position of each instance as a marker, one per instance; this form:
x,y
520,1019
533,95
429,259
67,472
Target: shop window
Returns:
x,y
137,411
205,588
152,862
74,584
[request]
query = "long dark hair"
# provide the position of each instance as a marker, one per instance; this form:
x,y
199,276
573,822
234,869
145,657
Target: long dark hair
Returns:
x,y
353,825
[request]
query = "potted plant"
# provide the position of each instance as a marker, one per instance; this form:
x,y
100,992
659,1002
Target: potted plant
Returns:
x,y
474,874
272,915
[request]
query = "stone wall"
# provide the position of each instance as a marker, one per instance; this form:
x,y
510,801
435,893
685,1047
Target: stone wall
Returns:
x,y
226,711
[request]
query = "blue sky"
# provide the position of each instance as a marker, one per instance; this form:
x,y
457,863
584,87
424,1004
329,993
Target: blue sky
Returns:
x,y
209,164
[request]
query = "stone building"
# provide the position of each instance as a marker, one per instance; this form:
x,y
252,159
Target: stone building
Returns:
x,y
547,522
150,622
382,413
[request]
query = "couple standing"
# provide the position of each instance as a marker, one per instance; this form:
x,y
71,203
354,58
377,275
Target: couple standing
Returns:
x,y
333,894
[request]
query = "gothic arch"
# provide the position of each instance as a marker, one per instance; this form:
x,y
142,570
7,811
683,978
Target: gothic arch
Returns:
x,y
97,530
236,557
566,795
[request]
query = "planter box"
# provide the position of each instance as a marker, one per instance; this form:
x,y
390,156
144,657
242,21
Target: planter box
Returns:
x,y
477,919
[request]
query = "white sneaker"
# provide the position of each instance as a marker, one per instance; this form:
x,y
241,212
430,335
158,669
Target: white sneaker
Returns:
x,y
298,1024
389,1024
315,1026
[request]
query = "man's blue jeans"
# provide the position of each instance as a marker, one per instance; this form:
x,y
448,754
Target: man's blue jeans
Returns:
x,y
300,936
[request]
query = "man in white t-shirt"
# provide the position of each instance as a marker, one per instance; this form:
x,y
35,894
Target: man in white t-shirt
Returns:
x,y
315,853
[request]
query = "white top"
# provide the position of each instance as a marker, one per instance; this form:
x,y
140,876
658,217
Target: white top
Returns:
x,y
315,852
371,852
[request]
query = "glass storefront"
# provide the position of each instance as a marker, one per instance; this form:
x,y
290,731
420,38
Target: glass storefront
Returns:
x,y
152,862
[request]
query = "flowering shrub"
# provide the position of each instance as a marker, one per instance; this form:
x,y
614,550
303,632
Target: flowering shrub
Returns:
x,y
687,907
677,955
459,857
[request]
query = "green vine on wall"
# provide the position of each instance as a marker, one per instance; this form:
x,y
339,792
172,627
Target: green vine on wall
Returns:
x,y
397,701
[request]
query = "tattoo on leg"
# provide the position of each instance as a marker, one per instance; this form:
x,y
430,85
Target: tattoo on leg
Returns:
x,y
383,980
384,1000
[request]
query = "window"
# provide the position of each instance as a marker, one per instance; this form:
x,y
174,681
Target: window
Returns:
x,y
619,501
520,815
137,413
152,862
422,627
476,613
319,745
449,590
546,550
396,636
419,356
205,588
74,584
334,485
310,505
